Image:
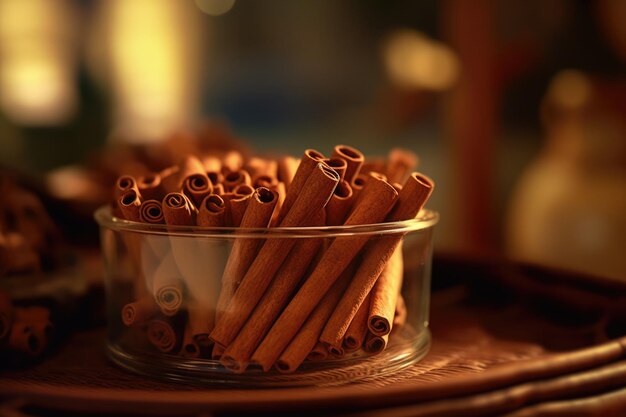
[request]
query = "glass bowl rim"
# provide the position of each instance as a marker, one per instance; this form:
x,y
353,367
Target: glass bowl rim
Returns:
x,y
425,219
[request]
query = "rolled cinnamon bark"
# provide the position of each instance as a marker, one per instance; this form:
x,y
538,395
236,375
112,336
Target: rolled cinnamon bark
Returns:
x,y
257,215
238,353
308,163
216,178
306,338
22,338
400,163
377,199
287,167
196,187
234,178
384,295
190,165
311,200
357,185
151,212
232,162
318,353
140,311
189,348
211,212
375,344
124,184
219,190
200,322
6,314
412,198
266,181
150,188
373,164
258,167
353,157
238,204
165,334
339,204
178,210
169,177
338,164
167,286
281,192
357,330
129,204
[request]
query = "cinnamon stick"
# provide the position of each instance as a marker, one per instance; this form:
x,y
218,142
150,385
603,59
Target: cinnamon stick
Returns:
x,y
124,184
216,178
140,311
238,353
189,347
384,295
412,198
238,204
151,212
258,167
375,344
400,163
357,185
201,319
318,353
338,164
167,286
196,187
266,181
211,212
129,204
357,330
307,337
169,177
149,187
257,215
234,178
308,163
174,180
178,210
311,200
377,199
22,338
339,204
353,157
287,167
162,333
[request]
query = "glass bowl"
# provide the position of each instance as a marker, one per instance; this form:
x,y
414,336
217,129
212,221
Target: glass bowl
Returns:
x,y
148,327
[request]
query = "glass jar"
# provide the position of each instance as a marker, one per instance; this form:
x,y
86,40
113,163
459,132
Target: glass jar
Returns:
x,y
149,327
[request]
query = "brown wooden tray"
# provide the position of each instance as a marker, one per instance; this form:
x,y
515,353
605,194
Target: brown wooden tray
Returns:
x,y
496,326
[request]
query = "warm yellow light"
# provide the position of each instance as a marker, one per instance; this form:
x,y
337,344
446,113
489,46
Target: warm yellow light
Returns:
x,y
150,44
215,7
414,61
36,61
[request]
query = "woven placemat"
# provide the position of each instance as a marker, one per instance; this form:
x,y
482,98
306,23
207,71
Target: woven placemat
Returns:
x,y
477,326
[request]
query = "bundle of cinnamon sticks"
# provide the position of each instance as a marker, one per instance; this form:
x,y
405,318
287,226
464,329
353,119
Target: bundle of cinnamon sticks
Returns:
x,y
29,240
280,301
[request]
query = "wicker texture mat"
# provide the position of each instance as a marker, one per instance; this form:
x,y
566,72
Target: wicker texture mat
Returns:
x,y
482,327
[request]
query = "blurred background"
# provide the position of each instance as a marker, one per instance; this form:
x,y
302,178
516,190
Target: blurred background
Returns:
x,y
516,109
